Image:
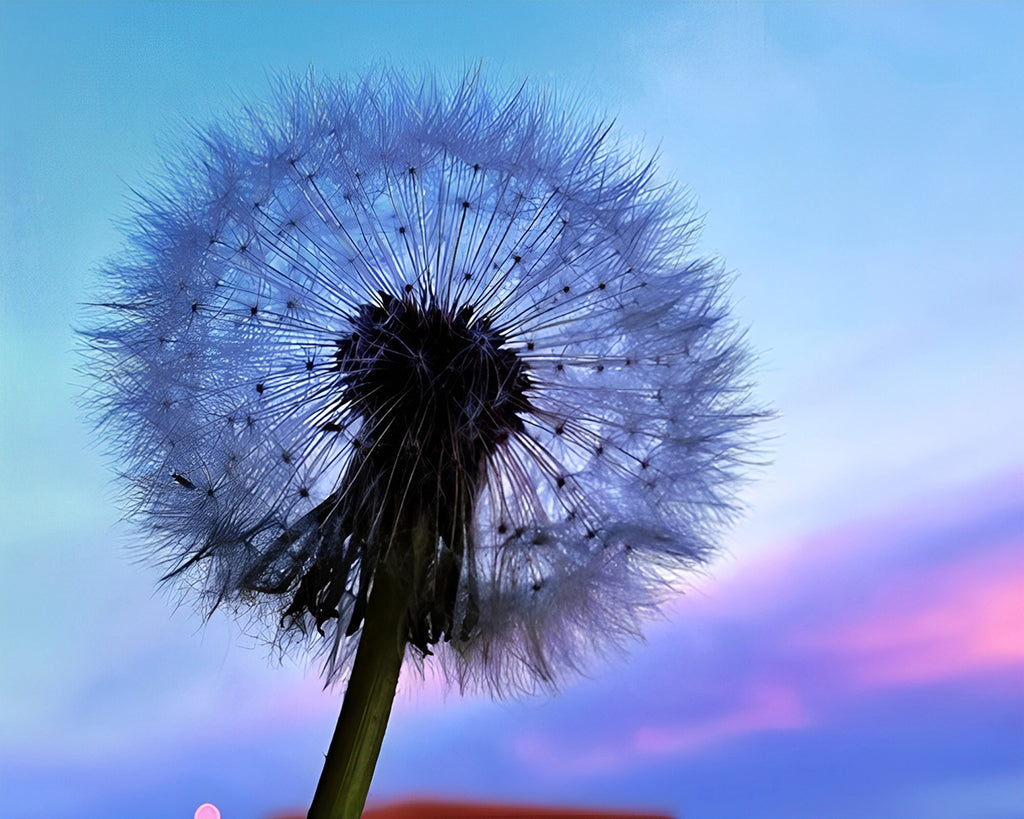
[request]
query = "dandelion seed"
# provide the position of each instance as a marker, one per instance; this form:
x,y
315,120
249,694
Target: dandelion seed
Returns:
x,y
445,341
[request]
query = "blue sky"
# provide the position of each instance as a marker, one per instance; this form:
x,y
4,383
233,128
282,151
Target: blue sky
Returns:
x,y
858,650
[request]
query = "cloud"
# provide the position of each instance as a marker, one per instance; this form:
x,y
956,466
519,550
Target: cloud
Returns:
x,y
955,620
766,706
927,596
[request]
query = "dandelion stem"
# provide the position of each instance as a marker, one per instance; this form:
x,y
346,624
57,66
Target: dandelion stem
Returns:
x,y
352,755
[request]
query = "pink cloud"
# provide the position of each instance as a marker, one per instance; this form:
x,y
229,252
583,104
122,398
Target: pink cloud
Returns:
x,y
929,593
779,574
951,621
926,595
766,706
769,706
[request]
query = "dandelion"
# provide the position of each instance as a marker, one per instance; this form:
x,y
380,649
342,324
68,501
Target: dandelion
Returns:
x,y
424,372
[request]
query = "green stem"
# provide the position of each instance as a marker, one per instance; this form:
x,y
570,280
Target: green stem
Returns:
x,y
348,769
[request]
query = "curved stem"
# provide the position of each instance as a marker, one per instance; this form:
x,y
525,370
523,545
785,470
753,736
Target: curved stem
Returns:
x,y
352,755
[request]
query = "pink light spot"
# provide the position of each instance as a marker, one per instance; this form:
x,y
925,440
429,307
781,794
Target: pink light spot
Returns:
x,y
207,811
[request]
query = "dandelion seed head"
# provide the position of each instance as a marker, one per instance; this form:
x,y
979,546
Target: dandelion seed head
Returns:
x,y
446,332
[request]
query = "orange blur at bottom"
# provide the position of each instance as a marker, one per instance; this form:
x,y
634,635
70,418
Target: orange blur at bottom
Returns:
x,y
439,809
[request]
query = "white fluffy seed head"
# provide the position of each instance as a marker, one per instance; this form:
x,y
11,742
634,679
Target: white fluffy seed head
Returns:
x,y
363,304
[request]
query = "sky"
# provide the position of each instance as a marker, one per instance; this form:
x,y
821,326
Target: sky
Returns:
x,y
858,648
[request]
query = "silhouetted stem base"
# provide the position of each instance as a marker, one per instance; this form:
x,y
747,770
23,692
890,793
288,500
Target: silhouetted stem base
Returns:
x,y
352,755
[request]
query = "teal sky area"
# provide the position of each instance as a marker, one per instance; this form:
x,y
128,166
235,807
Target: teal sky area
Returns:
x,y
859,167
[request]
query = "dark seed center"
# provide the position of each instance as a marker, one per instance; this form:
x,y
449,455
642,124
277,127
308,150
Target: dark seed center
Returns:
x,y
441,384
